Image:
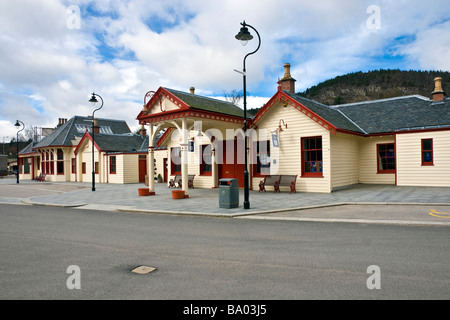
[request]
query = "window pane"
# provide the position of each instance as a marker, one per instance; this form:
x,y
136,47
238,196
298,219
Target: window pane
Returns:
x,y
428,156
386,157
319,143
307,167
312,156
427,144
60,167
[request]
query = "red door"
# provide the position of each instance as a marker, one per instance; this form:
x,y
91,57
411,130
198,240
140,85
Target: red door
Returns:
x,y
232,166
142,169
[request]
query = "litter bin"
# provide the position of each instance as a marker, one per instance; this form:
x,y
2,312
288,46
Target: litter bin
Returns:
x,y
228,193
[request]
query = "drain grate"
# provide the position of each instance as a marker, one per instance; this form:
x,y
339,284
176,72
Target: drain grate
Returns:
x,y
143,270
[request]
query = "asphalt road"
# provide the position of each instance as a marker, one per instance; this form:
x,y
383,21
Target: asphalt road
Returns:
x,y
214,258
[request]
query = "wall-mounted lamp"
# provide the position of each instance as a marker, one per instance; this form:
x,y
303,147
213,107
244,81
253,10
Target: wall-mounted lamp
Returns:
x,y
279,125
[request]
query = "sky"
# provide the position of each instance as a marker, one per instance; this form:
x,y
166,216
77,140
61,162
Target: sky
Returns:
x,y
55,53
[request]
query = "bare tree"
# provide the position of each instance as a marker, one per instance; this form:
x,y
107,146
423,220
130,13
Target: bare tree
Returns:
x,y
234,97
28,134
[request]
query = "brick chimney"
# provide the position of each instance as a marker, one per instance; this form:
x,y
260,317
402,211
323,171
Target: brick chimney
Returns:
x,y
438,93
61,121
287,82
143,131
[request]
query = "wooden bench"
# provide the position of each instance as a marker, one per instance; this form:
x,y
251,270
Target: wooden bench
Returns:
x,y
269,180
41,177
190,181
177,181
286,181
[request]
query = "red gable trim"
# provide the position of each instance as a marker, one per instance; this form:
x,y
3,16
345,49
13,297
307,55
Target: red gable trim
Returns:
x,y
164,136
184,111
280,96
85,136
176,114
157,98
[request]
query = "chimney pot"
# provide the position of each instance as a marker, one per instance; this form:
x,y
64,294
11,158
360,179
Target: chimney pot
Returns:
x,y
438,93
287,70
192,90
143,131
287,82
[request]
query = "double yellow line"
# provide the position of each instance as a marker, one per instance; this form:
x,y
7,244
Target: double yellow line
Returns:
x,y
434,213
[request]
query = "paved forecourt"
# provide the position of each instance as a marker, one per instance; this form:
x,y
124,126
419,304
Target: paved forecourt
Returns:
x,y
359,203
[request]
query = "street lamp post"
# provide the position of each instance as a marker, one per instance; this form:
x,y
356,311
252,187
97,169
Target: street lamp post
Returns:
x,y
244,36
17,125
93,100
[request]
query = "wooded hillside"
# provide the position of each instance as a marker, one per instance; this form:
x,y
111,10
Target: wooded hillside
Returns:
x,y
378,84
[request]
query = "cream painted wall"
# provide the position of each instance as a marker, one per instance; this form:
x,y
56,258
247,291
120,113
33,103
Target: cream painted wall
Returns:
x,y
410,171
368,161
159,155
85,155
288,155
130,168
345,159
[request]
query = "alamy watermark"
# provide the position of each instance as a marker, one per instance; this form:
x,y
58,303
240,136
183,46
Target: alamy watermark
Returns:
x,y
73,21
374,280
374,20
74,280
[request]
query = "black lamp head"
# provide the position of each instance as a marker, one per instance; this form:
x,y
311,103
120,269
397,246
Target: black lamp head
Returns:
x,y
93,99
244,35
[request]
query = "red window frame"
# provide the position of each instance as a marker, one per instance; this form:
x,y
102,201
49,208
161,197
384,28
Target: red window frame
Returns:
x,y
26,165
47,163
427,152
20,165
206,164
59,162
261,168
74,165
385,158
52,163
96,167
112,164
312,156
175,161
43,163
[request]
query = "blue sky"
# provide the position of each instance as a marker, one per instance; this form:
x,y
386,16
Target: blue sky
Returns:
x,y
54,53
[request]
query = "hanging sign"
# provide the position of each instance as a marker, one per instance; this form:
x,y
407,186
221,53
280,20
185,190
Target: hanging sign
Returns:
x,y
275,141
191,146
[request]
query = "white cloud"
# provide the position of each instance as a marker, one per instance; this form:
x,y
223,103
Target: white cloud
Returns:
x,y
431,48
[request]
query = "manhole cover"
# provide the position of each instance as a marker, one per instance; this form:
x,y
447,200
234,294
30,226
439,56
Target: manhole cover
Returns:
x,y
143,269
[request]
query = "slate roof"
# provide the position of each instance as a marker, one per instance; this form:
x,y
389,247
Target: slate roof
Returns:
x,y
208,104
397,114
330,114
122,143
391,115
28,149
63,135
